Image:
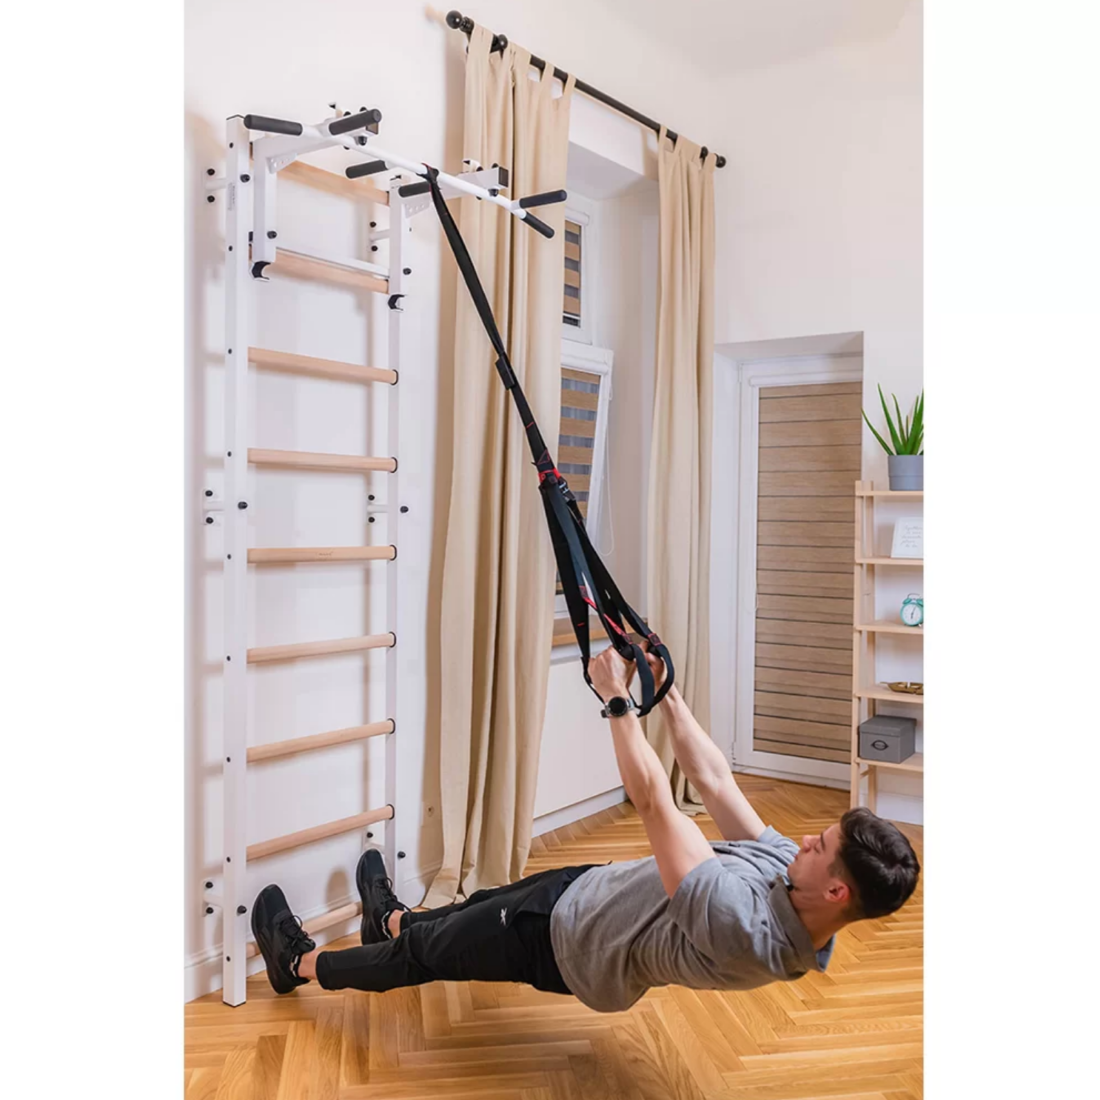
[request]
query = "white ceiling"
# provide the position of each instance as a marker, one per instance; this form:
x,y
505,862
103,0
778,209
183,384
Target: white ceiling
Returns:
x,y
724,37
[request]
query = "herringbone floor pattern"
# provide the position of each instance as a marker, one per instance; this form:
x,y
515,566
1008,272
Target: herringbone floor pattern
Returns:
x,y
851,1034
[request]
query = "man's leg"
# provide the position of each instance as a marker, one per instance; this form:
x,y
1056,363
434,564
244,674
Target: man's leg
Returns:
x,y
494,893
471,942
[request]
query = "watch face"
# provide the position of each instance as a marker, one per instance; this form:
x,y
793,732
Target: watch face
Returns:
x,y
911,614
617,707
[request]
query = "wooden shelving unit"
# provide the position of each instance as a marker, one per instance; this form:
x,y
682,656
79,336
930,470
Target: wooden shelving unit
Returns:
x,y
866,692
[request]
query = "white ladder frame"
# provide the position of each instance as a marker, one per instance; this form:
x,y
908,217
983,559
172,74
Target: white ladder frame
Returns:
x,y
250,184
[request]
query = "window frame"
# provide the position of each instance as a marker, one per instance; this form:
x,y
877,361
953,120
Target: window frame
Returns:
x,y
599,361
585,213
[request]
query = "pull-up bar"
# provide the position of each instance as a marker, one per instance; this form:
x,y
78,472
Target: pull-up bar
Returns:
x,y
334,131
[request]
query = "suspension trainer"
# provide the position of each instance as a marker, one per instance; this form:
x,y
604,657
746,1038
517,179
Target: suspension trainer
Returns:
x,y
585,579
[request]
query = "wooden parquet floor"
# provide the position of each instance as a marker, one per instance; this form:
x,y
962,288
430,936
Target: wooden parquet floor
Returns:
x,y
854,1033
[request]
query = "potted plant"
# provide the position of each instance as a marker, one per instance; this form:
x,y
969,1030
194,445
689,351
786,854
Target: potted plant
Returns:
x,y
906,460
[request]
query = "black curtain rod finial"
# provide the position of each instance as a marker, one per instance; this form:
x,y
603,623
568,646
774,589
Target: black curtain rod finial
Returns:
x,y
459,22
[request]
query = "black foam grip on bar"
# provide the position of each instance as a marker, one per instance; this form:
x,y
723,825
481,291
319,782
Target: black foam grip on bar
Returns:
x,y
545,199
538,226
273,125
356,122
367,168
411,189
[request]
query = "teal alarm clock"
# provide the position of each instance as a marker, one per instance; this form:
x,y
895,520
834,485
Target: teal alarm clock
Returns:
x,y
912,610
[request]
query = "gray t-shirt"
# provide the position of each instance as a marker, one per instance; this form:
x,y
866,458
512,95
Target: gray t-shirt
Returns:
x,y
730,925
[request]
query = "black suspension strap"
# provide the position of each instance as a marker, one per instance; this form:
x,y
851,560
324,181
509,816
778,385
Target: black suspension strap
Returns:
x,y
585,579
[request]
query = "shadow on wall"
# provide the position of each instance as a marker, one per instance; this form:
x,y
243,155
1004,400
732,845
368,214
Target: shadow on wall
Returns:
x,y
205,265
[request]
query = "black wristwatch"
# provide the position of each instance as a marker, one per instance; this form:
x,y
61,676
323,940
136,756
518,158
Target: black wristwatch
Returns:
x,y
617,706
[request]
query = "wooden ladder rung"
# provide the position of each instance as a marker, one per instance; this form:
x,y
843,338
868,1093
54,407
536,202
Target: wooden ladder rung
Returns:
x,y
289,363
277,749
274,555
307,460
334,183
317,832
265,654
298,266
319,923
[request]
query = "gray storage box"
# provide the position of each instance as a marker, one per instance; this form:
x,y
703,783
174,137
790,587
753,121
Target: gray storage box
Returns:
x,y
887,738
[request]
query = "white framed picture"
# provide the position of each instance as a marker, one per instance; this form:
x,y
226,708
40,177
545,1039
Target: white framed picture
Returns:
x,y
908,538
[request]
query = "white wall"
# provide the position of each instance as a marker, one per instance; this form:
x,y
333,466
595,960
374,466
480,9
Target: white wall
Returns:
x,y
819,228
284,58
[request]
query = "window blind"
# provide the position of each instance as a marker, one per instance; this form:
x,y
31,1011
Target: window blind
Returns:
x,y
571,300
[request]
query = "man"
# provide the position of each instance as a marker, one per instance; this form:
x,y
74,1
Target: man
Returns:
x,y
734,914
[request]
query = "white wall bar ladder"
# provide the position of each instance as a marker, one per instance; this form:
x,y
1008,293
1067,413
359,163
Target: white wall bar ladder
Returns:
x,y
253,252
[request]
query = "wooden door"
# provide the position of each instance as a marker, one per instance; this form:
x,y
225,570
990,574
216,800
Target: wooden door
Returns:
x,y
809,462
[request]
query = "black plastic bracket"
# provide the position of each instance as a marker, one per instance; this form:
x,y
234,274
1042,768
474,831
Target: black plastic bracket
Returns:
x,y
258,269
393,302
504,369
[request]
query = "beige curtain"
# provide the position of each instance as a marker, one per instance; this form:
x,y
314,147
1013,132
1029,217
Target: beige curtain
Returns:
x,y
679,465
496,619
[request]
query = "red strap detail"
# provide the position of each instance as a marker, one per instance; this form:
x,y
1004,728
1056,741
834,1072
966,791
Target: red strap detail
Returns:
x,y
606,622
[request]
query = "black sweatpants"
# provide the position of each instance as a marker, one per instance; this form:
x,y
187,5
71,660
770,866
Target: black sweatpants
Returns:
x,y
498,935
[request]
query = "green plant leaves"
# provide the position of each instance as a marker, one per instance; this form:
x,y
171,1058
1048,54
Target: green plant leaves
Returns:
x,y
908,436
890,422
885,446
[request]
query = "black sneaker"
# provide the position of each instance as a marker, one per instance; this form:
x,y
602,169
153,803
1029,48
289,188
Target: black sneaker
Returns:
x,y
280,937
376,891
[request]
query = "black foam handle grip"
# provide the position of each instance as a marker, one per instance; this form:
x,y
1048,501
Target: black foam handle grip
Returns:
x,y
355,122
545,199
409,189
367,168
273,125
538,226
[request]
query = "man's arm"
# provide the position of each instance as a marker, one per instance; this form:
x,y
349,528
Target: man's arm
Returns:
x,y
677,842
705,767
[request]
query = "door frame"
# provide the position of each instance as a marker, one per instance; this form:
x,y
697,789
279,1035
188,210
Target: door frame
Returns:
x,y
750,375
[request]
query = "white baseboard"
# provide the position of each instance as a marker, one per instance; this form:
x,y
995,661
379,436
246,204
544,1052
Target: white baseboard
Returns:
x,y
202,973
810,780
547,823
894,806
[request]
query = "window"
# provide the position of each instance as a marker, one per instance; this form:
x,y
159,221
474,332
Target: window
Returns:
x,y
578,314
571,303
582,433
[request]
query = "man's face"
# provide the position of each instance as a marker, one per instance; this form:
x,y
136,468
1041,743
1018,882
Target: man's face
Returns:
x,y
810,872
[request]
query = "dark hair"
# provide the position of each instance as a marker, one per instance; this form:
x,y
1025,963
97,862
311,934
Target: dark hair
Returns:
x,y
880,863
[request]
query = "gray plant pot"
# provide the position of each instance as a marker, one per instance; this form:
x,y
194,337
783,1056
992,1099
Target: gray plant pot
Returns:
x,y
906,471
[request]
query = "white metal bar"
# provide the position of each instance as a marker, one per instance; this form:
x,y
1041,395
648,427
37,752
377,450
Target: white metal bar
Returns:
x,y
399,220
235,705
317,137
265,180
370,151
284,149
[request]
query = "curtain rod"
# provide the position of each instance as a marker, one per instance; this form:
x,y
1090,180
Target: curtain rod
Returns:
x,y
459,22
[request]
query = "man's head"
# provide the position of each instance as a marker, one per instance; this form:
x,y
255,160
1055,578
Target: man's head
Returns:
x,y
863,865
